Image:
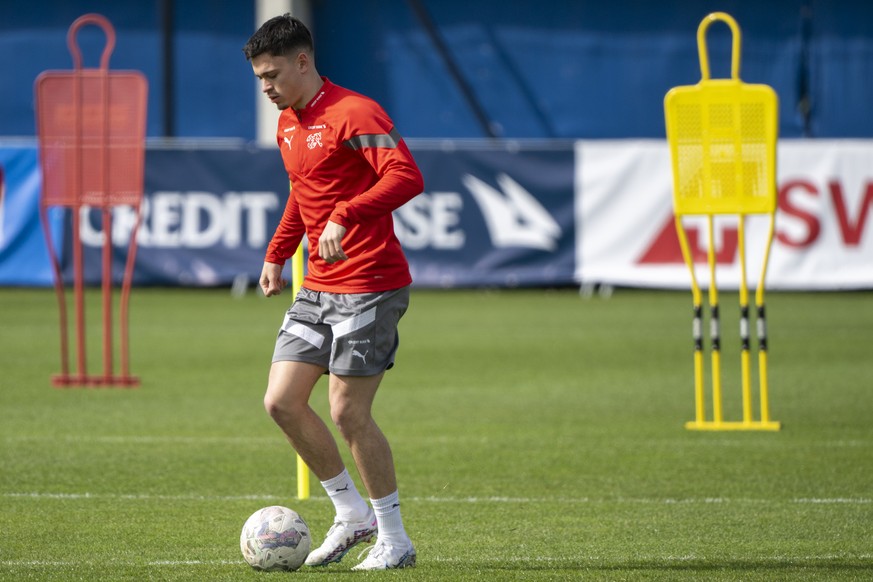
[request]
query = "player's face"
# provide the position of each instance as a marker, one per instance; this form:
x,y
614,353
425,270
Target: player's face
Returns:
x,y
281,79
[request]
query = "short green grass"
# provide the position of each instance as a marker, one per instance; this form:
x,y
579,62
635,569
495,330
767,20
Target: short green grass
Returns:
x,y
538,435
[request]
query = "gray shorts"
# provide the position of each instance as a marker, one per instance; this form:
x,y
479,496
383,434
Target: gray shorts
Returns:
x,y
350,334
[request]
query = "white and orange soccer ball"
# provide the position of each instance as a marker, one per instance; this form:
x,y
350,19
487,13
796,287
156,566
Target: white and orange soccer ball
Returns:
x,y
275,538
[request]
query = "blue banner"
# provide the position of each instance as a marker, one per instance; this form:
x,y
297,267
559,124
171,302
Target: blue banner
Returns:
x,y
24,259
207,217
491,217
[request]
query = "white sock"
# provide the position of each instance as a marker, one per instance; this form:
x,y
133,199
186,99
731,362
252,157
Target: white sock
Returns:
x,y
349,504
390,523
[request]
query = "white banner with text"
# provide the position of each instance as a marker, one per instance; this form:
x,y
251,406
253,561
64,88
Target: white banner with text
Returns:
x,y
625,233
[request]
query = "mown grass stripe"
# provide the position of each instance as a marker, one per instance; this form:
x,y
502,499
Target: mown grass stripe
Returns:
x,y
593,561
457,500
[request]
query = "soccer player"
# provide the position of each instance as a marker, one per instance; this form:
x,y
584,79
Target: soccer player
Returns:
x,y
349,169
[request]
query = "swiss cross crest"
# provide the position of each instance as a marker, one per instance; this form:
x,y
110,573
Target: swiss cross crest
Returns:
x,y
313,140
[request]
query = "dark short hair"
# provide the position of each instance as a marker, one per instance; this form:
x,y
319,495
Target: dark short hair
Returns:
x,y
278,36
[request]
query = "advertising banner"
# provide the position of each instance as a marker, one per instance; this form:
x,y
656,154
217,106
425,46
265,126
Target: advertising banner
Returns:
x,y
491,217
24,259
822,241
207,217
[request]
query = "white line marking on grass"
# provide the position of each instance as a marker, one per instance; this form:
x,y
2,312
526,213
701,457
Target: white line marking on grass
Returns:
x,y
40,564
150,440
499,499
458,500
70,564
838,500
148,497
194,562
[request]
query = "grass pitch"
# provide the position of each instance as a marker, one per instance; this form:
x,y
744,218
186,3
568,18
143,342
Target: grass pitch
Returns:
x,y
538,436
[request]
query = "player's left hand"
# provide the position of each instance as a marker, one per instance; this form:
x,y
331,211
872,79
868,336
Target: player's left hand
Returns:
x,y
330,243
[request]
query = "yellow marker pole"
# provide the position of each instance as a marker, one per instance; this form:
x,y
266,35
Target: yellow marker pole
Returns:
x,y
714,328
745,364
296,283
696,330
722,135
766,423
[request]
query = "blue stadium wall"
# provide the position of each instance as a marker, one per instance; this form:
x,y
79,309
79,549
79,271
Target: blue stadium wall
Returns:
x,y
560,69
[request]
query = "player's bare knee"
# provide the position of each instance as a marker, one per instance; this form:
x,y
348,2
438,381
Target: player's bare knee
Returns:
x,y
349,420
279,409
272,406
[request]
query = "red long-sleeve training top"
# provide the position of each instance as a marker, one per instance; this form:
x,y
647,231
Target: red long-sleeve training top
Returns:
x,y
346,163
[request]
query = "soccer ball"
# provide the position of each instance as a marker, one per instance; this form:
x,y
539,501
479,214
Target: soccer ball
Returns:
x,y
275,538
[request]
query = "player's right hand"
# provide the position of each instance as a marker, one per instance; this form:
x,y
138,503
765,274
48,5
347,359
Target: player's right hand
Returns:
x,y
272,282
330,243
